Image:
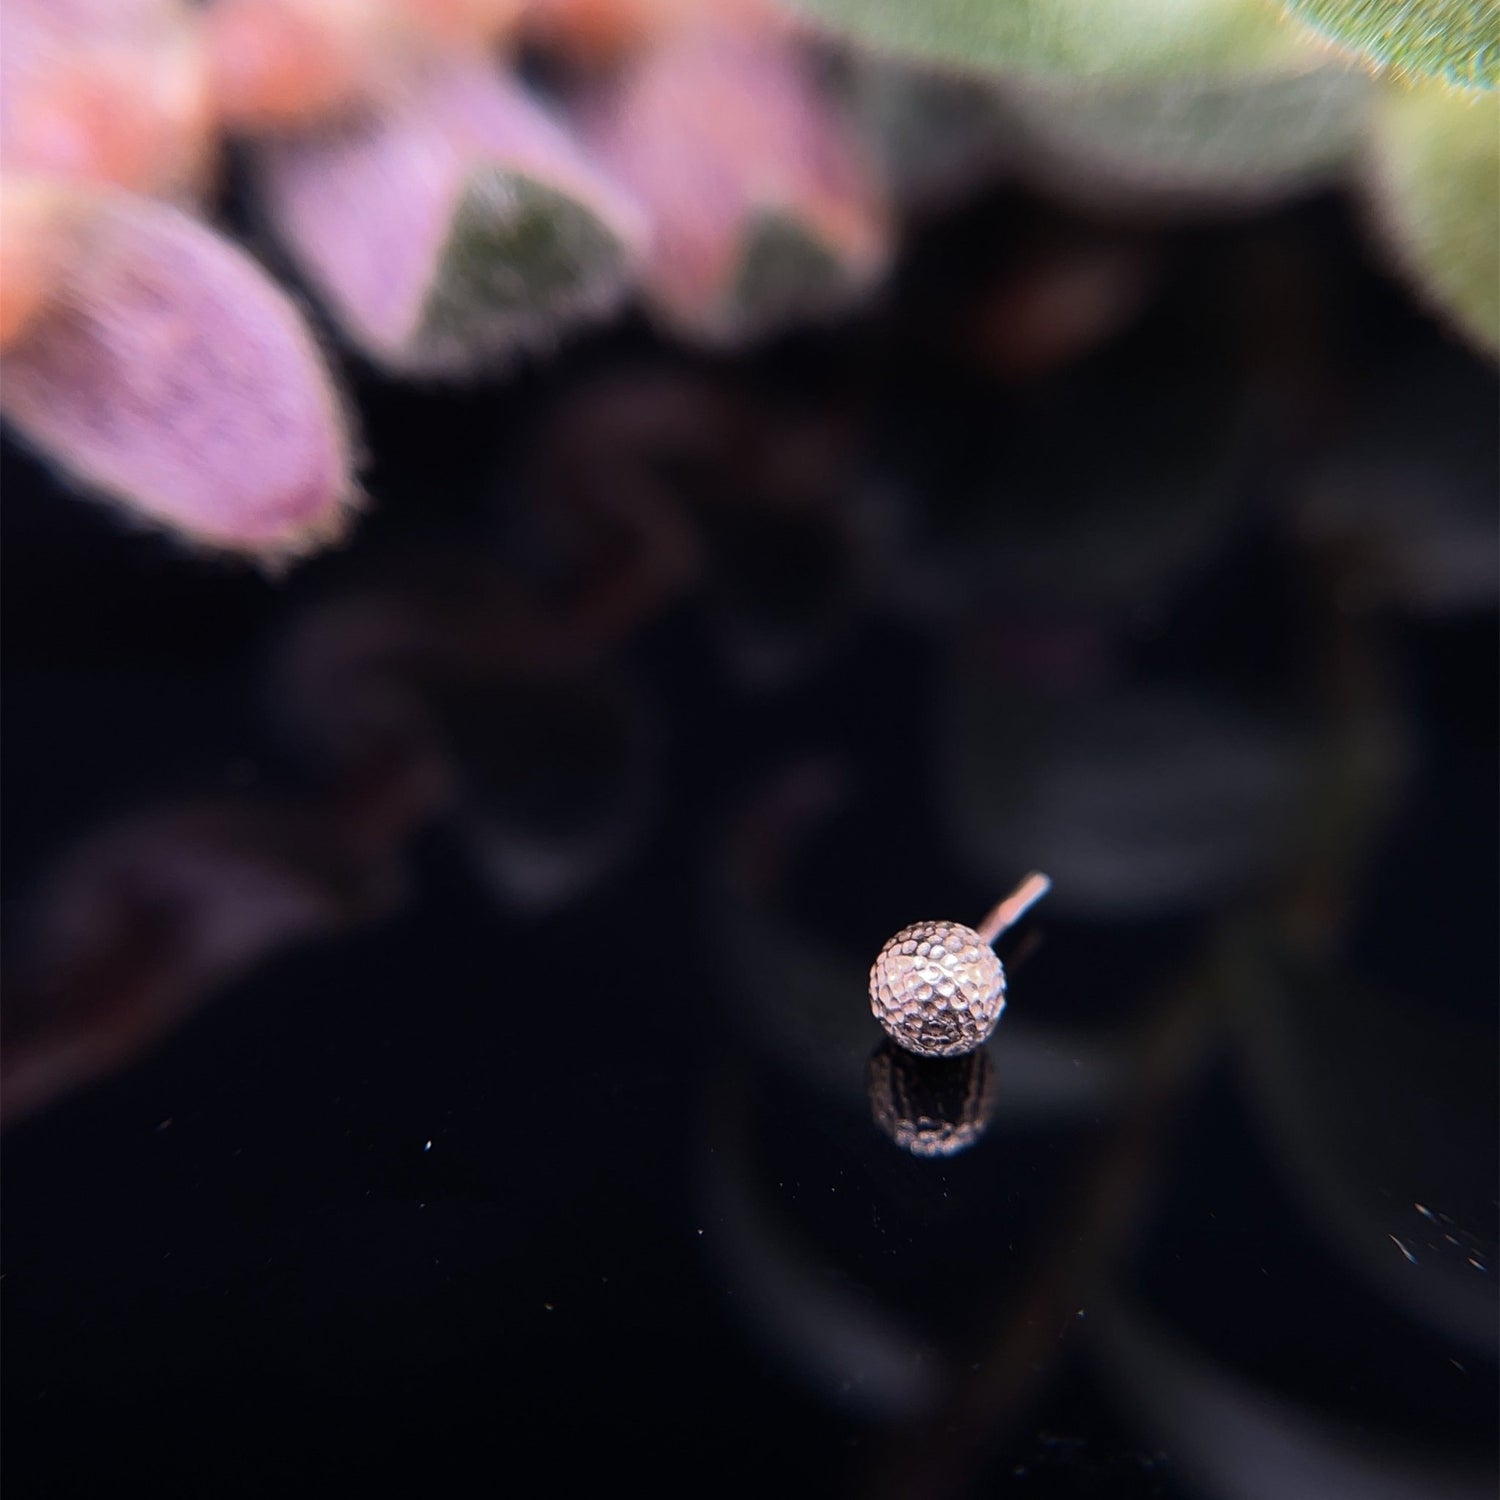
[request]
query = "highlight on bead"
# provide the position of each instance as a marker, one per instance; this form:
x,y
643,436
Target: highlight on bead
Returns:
x,y
938,988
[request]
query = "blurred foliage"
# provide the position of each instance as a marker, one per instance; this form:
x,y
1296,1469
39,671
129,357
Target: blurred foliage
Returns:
x,y
181,381
1453,40
1217,98
1222,138
1069,37
459,225
1436,186
461,183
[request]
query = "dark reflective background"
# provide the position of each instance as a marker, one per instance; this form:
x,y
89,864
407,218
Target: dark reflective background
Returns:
x,y
436,1054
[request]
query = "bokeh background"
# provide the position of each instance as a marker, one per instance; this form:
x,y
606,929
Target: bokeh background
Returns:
x,y
436,1049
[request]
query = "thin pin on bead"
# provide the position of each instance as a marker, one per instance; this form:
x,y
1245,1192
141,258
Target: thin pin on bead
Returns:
x,y
938,987
1015,906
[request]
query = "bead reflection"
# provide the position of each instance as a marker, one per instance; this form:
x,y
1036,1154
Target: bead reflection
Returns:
x,y
931,1106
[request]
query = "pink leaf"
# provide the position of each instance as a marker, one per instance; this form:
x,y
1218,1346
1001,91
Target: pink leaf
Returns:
x,y
172,374
763,210
455,226
105,91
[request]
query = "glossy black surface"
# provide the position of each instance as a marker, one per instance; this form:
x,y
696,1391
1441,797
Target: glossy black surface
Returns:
x,y
486,1097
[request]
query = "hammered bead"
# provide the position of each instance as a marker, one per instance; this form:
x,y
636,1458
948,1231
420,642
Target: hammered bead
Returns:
x,y
938,989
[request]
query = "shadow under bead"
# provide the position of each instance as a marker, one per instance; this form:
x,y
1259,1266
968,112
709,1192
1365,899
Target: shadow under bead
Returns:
x,y
931,1107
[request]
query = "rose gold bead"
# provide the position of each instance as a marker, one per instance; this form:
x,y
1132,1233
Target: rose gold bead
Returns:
x,y
938,988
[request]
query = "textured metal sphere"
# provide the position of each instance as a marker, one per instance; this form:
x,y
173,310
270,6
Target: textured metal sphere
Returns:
x,y
931,1106
937,988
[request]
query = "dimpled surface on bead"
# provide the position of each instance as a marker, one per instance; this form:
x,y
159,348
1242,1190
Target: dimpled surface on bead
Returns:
x,y
937,988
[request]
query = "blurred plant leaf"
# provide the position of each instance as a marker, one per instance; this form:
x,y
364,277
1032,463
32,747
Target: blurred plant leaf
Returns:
x,y
1435,184
36,235
1071,37
1454,40
454,228
112,91
151,915
764,212
172,374
458,23
1221,139
604,33
280,63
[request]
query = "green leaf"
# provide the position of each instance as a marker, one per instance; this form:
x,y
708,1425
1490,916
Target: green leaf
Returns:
x,y
521,258
1143,38
1435,181
1235,139
1454,40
